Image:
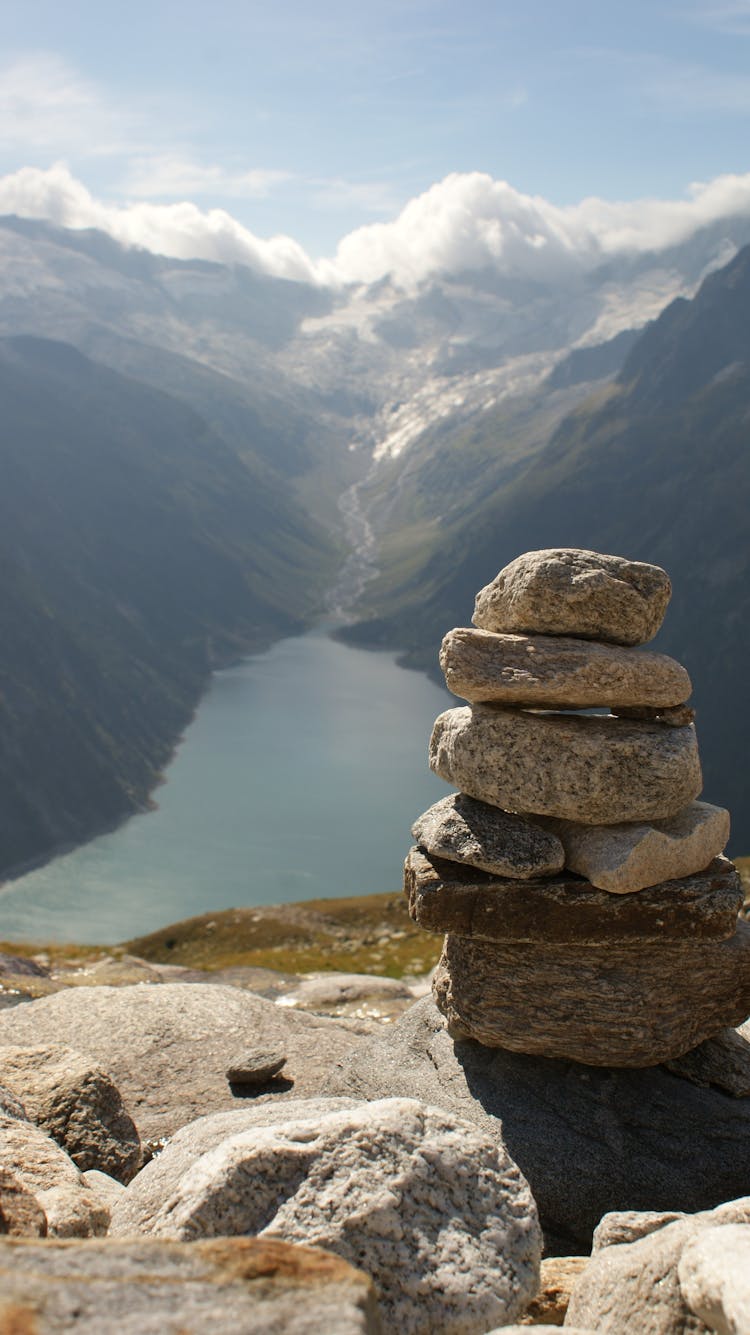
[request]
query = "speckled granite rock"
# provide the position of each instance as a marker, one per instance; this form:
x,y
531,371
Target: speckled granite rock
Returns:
x,y
624,858
464,830
72,1209
714,1275
634,1288
680,716
598,771
436,1210
230,1286
571,591
76,1103
565,910
603,1006
557,672
21,1215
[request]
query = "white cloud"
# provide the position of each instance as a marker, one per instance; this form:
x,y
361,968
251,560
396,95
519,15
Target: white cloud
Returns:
x,y
463,222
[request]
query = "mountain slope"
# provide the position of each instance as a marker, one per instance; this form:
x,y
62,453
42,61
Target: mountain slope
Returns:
x,y
136,552
656,466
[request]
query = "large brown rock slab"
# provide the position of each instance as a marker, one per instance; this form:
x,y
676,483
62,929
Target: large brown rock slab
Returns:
x,y
230,1286
565,910
74,1100
167,1048
588,1139
467,831
558,672
435,1209
609,1005
571,591
598,771
627,857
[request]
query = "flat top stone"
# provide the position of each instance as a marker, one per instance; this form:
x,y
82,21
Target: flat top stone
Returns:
x,y
255,1066
450,897
571,591
464,830
559,672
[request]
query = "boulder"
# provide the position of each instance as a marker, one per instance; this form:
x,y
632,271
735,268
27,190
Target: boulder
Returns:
x,y
623,858
49,1174
463,830
330,990
588,1139
570,591
634,1288
722,1061
564,910
714,1275
21,1215
555,672
231,1286
595,770
167,1048
632,1005
76,1103
436,1210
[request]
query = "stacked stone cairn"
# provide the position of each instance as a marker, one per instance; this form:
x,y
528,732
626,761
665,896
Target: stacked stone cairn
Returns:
x,y
588,912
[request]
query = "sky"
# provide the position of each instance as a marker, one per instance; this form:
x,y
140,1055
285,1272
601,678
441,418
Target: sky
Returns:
x,y
299,135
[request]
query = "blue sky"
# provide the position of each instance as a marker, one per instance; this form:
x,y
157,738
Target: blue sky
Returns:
x,y
315,119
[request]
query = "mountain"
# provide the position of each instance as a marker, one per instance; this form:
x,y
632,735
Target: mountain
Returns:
x,y
654,465
137,551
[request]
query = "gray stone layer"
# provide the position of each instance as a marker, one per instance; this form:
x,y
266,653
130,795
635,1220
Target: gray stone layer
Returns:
x,y
570,591
167,1048
601,1005
467,831
230,1286
627,857
435,1210
588,1139
635,1288
598,771
564,910
558,672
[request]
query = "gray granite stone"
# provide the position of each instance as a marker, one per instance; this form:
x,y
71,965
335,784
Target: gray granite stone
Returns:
x,y
566,910
598,771
714,1276
464,830
557,672
571,591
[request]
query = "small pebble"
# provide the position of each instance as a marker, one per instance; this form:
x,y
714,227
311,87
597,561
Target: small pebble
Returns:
x,y
256,1066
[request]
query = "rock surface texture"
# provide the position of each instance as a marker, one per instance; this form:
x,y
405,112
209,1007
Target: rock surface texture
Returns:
x,y
570,591
435,1210
548,672
463,830
232,1286
71,1208
714,1275
598,771
625,1138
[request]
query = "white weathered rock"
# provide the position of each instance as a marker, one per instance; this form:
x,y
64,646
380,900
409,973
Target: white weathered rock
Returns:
x,y
74,1101
558,672
437,1212
627,857
45,1169
464,830
570,591
329,990
167,1048
597,771
230,1286
714,1275
634,1288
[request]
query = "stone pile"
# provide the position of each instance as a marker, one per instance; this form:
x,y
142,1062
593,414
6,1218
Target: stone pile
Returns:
x,y
588,912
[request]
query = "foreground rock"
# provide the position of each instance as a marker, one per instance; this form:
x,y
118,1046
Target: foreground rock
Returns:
x,y
723,1061
167,1048
632,1005
76,1103
571,591
554,672
463,830
237,1286
624,858
564,910
566,1124
714,1275
21,1215
636,1288
598,771
435,1209
71,1208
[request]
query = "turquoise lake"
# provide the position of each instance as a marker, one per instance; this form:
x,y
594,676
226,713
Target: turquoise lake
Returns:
x,y
298,778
